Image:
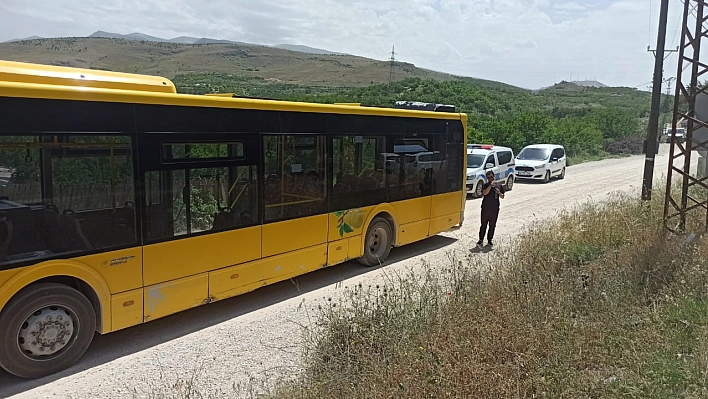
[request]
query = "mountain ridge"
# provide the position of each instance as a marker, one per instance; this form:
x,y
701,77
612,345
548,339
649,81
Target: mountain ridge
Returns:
x,y
108,51
343,67
190,40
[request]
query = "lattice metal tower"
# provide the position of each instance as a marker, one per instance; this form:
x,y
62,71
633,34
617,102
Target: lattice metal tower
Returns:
x,y
391,71
687,193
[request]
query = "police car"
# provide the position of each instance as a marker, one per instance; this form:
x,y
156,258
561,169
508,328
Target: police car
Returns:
x,y
483,157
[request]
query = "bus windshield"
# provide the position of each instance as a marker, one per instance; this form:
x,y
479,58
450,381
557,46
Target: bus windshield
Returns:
x,y
475,160
533,154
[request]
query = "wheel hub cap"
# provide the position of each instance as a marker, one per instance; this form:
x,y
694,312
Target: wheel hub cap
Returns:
x,y
46,331
374,241
377,241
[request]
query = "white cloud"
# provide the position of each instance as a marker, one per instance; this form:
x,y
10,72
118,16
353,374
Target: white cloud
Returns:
x,y
568,7
529,43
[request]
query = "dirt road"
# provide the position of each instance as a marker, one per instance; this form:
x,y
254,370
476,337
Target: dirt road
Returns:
x,y
257,335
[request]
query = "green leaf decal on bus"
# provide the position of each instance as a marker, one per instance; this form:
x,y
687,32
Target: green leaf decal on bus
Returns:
x,y
349,220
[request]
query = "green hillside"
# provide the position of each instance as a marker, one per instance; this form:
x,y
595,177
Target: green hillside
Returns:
x,y
590,122
243,60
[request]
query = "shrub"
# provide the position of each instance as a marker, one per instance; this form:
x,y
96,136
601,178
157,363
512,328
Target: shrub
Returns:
x,y
599,303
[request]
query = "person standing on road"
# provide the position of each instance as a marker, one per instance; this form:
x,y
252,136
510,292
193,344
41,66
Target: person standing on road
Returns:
x,y
491,192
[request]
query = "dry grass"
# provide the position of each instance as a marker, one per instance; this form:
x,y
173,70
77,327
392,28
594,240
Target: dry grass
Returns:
x,y
599,303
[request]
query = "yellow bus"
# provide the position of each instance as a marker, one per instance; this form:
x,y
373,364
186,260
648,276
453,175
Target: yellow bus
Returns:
x,y
122,201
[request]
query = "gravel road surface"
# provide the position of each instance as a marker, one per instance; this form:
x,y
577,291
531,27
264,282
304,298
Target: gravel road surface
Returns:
x,y
257,335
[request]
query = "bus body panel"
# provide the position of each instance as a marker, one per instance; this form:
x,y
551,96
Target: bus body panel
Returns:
x,y
290,235
167,261
127,309
295,264
55,75
443,223
412,210
463,198
356,240
28,90
411,232
121,269
244,278
337,252
445,204
356,247
174,296
444,212
351,222
17,279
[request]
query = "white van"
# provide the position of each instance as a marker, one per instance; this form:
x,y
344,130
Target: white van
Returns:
x,y
483,157
422,161
541,162
680,135
388,160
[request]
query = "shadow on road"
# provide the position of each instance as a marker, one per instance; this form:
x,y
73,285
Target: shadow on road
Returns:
x,y
106,348
536,181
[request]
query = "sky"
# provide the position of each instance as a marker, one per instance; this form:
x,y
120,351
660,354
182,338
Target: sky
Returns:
x,y
527,43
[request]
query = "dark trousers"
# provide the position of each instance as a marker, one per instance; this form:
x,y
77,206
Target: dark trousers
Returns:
x,y
489,217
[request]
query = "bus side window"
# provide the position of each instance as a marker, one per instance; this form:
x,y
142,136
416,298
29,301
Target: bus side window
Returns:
x,y
188,198
360,169
294,176
65,193
413,175
190,201
455,156
92,180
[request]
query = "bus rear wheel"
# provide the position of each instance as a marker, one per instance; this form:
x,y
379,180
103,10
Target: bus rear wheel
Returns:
x,y
377,243
44,329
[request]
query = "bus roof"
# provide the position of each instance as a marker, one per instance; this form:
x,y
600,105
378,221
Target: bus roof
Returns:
x,y
26,80
63,76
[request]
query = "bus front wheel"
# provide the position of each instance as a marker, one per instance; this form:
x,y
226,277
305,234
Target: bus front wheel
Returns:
x,y
377,242
44,329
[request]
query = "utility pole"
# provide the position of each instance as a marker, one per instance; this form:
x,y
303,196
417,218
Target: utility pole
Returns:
x,y
667,98
652,141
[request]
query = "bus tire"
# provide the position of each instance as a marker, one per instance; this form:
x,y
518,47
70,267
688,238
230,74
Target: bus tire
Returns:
x,y
44,329
377,243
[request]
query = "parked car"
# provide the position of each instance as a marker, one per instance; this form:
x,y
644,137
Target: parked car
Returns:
x,y
422,161
541,162
680,135
388,160
483,157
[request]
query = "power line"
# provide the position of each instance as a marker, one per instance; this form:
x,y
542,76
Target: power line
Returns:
x,y
643,84
675,35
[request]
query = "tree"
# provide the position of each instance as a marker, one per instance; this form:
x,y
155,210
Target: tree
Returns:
x,y
616,123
